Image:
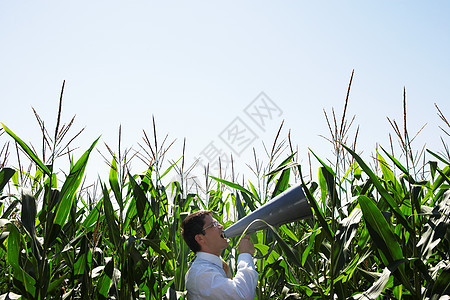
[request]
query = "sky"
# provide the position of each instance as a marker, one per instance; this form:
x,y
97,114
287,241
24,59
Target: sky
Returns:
x,y
224,75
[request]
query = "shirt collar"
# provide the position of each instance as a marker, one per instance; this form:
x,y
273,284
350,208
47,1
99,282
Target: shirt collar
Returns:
x,y
210,257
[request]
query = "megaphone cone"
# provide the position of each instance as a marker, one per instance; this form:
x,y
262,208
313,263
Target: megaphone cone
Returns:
x,y
289,206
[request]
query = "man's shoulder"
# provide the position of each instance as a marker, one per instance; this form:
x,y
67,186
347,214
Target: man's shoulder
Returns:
x,y
202,263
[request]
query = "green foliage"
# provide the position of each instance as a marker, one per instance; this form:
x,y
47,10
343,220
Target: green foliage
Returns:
x,y
375,234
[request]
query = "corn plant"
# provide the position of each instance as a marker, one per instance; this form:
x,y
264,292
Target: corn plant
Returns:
x,y
380,230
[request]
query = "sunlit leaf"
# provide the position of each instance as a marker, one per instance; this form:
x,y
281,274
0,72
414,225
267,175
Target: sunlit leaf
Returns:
x,y
383,237
28,151
114,182
401,217
13,253
67,194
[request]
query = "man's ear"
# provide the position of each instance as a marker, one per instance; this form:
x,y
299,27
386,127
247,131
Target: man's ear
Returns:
x,y
199,238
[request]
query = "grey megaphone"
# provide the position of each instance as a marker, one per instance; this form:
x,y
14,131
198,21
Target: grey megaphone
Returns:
x,y
289,206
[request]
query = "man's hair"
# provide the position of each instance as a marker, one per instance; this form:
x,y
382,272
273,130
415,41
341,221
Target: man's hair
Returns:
x,y
191,226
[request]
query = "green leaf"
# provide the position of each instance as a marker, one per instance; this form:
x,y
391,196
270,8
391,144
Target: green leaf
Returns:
x,y
389,175
439,157
255,193
28,215
158,246
56,284
379,285
28,218
170,168
284,165
385,194
442,283
399,165
289,233
13,245
282,183
13,252
444,176
309,247
380,230
114,182
28,151
331,187
383,237
106,280
111,221
248,201
5,176
142,204
93,217
356,170
323,188
291,254
10,209
67,194
131,213
323,163
318,212
347,274
239,208
233,185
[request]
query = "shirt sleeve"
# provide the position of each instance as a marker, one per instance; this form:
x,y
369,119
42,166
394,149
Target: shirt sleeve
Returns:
x,y
211,283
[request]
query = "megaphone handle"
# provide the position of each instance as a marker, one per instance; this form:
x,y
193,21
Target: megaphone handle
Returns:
x,y
268,253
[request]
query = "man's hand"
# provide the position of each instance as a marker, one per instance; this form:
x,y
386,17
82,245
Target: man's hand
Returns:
x,y
246,246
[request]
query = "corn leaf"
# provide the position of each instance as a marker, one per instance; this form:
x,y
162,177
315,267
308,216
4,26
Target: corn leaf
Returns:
x,y
28,151
318,212
93,217
67,195
5,176
385,194
10,209
233,185
28,218
291,254
106,280
282,183
13,252
111,219
379,285
383,237
398,164
239,208
323,163
284,165
389,175
442,283
142,204
439,157
114,182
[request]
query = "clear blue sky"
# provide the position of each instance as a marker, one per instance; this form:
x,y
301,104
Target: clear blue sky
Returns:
x,y
197,65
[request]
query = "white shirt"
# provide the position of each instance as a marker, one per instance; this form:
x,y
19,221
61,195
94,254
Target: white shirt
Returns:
x,y
206,278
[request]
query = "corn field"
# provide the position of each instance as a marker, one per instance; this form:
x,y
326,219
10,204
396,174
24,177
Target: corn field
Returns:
x,y
380,229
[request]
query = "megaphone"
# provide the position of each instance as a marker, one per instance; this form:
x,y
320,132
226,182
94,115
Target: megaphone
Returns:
x,y
289,206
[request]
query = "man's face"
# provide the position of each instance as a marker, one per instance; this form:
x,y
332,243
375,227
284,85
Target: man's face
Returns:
x,y
213,240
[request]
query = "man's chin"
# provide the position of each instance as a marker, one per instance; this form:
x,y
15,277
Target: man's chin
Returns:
x,y
224,238
225,242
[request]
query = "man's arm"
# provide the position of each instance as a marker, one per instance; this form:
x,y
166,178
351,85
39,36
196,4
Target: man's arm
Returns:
x,y
246,276
246,246
212,284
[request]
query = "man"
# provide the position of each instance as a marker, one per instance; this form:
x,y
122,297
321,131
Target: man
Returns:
x,y
206,278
